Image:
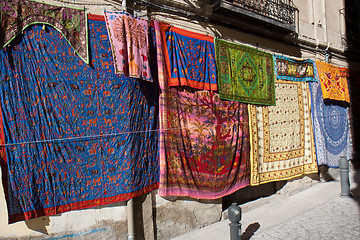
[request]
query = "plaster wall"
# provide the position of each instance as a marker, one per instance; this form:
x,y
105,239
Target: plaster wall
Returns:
x,y
157,217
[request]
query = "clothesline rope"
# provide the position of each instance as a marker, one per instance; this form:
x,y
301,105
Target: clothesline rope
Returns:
x,y
128,133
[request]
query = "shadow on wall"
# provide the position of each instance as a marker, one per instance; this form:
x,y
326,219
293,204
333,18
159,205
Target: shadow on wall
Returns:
x,y
284,187
38,224
250,193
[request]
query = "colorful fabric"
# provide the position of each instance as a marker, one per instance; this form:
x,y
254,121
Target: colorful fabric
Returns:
x,y
294,70
17,15
244,74
77,136
281,136
333,82
162,104
130,44
204,146
189,58
331,129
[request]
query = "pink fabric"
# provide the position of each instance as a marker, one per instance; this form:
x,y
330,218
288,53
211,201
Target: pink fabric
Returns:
x,y
130,44
202,178
161,78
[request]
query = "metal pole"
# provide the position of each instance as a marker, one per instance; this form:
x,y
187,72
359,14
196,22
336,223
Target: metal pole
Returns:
x,y
344,177
124,5
235,226
130,219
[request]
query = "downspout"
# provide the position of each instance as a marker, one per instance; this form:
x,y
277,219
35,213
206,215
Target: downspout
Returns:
x,y
130,219
325,23
123,5
130,202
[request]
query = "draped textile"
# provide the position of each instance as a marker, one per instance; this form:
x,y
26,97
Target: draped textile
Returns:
x,y
206,145
294,70
333,83
130,44
77,136
331,129
281,136
17,15
189,58
244,74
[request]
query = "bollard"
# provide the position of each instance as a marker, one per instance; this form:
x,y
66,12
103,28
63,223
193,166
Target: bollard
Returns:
x,y
235,226
344,177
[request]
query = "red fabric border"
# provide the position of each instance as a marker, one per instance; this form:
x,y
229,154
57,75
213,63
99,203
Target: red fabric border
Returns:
x,y
187,33
80,205
96,17
191,83
3,161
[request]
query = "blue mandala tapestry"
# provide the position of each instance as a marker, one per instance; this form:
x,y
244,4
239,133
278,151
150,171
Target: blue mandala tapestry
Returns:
x,y
76,135
331,129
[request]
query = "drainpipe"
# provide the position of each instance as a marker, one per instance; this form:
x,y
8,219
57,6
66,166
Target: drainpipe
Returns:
x,y
325,22
130,202
130,219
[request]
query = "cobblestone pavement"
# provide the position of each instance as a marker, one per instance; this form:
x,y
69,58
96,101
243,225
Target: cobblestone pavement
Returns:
x,y
315,213
339,219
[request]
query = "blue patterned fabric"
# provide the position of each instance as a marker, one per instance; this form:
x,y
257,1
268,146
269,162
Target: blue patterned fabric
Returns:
x,y
78,136
189,58
331,129
294,70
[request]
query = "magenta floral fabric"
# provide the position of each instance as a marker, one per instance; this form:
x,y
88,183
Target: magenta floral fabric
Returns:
x,y
130,44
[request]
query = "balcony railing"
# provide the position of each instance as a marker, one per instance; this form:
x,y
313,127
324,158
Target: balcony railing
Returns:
x,y
278,12
281,10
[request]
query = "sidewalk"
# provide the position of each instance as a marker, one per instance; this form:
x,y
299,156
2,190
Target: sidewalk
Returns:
x,y
316,213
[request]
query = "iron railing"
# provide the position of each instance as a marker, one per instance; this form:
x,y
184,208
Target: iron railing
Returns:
x,y
283,11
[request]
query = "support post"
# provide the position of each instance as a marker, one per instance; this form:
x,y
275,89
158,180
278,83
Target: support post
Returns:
x,y
235,226
130,219
344,177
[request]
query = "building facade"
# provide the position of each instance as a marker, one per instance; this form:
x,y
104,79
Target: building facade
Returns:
x,y
301,29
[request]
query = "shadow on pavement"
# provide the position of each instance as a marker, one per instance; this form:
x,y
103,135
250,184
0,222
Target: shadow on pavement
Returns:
x,y
250,230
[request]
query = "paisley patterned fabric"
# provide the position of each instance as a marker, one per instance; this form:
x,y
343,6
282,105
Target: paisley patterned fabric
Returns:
x,y
244,74
281,136
331,129
130,44
77,136
190,58
294,70
206,145
17,15
333,83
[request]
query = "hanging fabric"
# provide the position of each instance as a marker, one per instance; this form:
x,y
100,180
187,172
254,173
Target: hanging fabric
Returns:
x,y
76,136
333,83
17,15
294,70
204,145
244,74
282,144
130,44
331,129
189,58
